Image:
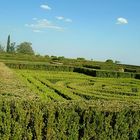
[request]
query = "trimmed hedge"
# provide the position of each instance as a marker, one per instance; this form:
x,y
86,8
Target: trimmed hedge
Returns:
x,y
92,66
105,74
137,76
71,121
130,70
40,67
87,71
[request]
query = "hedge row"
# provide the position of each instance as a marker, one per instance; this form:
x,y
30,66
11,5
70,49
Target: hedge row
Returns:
x,y
40,67
130,70
92,66
137,75
61,121
87,71
23,57
103,73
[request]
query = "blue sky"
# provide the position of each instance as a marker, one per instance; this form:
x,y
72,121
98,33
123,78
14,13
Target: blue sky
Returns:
x,y
94,29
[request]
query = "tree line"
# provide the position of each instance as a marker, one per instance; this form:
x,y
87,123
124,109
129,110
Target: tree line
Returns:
x,y
26,48
23,48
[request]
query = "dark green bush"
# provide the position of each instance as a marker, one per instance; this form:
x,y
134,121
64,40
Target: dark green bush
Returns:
x,y
69,120
110,74
87,71
92,66
137,76
104,73
39,67
129,70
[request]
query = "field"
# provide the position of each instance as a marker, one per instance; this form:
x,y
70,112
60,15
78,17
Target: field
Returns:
x,y
61,86
59,104
11,87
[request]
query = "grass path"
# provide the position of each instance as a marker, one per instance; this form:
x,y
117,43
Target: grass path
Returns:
x,y
11,86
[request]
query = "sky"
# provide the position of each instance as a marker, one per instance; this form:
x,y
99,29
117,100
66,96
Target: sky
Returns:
x,y
93,29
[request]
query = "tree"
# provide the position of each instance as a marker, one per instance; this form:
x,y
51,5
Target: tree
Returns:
x,y
61,58
8,44
54,57
47,56
25,48
1,48
109,61
80,58
12,47
117,62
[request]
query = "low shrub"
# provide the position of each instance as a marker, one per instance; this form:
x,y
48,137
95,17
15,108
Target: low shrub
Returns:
x,y
69,120
87,71
39,67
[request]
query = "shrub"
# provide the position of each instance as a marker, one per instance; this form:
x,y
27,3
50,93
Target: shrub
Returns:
x,y
92,66
69,120
87,71
137,75
129,70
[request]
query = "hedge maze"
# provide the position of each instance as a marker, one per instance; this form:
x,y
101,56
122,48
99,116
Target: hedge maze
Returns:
x,y
67,103
61,86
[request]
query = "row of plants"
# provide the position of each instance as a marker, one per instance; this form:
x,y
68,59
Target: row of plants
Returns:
x,y
88,71
39,67
67,120
106,73
34,118
59,86
41,85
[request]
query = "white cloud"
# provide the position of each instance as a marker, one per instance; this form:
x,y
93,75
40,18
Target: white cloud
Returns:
x,y
43,24
46,7
63,19
60,18
122,21
68,20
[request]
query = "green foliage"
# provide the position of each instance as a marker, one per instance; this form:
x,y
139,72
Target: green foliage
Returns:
x,y
137,75
63,86
61,58
71,106
81,59
8,44
92,66
87,71
39,67
25,48
12,47
117,62
23,58
41,120
104,73
1,49
69,62
109,61
54,58
130,70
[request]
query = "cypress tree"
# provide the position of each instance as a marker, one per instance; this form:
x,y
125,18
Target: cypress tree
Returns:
x,y
8,44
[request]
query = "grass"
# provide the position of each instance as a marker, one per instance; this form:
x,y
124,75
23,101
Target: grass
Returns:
x,y
12,87
61,86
